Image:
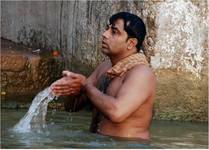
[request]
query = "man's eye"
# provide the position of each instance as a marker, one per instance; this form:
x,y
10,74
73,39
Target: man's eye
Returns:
x,y
114,31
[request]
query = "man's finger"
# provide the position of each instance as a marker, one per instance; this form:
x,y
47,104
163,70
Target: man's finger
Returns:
x,y
72,86
62,87
61,93
70,74
65,89
66,73
64,93
65,81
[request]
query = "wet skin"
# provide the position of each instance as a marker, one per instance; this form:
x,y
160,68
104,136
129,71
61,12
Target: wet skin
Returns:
x,y
127,105
129,116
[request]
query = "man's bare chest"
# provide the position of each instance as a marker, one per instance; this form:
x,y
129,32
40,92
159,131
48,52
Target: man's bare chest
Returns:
x,y
114,86
110,87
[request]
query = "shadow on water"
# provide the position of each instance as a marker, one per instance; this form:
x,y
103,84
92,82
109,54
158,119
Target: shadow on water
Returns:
x,y
71,130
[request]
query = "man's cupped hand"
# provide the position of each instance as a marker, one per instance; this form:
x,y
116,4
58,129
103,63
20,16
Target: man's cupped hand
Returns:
x,y
70,84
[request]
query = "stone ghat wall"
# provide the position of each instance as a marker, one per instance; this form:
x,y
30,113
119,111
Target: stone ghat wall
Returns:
x,y
24,73
176,43
74,27
177,47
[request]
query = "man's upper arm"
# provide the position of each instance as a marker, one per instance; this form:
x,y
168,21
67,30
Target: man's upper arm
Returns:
x,y
137,87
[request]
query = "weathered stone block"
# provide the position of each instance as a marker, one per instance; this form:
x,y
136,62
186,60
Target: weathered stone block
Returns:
x,y
13,62
180,96
31,73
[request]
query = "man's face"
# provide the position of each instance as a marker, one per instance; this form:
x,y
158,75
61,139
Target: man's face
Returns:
x,y
114,39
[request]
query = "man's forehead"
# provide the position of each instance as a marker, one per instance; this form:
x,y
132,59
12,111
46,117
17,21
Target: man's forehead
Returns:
x,y
119,23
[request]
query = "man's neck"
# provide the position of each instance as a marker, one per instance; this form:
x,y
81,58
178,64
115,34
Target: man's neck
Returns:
x,y
115,59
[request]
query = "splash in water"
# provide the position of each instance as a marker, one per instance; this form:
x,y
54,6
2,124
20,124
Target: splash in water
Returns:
x,y
34,119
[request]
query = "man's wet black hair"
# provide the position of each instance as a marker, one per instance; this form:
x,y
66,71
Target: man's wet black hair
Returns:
x,y
133,25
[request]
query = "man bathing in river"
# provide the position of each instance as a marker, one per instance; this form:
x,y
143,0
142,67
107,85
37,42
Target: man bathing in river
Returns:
x,y
120,89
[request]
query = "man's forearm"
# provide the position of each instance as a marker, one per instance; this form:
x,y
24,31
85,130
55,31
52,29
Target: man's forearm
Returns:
x,y
105,103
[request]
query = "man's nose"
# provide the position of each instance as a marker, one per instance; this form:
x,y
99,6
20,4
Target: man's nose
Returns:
x,y
106,34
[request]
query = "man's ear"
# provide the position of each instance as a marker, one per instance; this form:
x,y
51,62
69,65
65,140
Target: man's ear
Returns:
x,y
132,42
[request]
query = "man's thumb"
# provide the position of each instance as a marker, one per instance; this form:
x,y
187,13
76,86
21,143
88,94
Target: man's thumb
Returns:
x,y
70,74
66,73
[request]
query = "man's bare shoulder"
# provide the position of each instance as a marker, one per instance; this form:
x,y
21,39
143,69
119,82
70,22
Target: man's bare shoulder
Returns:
x,y
141,72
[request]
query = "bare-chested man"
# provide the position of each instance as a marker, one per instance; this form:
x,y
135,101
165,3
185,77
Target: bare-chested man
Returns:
x,y
122,88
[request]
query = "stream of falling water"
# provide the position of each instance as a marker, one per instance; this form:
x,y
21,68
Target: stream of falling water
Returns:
x,y
34,119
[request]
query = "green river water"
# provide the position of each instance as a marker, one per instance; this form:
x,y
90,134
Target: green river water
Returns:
x,y
70,130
